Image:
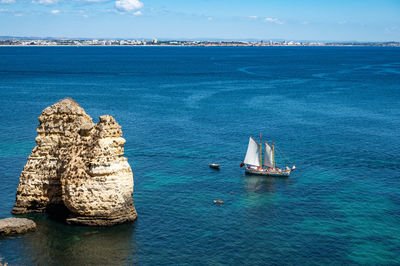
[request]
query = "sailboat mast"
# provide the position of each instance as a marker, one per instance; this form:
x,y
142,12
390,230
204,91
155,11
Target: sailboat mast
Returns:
x,y
273,155
260,152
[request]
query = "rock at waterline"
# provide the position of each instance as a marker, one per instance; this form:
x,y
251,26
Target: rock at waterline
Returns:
x,y
77,166
12,226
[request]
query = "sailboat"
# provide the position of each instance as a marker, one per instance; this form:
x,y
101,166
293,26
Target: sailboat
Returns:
x,y
255,165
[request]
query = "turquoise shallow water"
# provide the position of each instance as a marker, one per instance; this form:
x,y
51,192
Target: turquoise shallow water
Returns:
x,y
334,112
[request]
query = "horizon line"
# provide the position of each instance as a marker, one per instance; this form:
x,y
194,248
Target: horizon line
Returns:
x,y
204,39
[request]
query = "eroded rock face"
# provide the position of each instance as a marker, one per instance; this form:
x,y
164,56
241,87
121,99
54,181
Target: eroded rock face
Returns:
x,y
78,165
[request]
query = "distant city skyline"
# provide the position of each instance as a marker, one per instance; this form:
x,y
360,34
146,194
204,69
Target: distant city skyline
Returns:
x,y
204,19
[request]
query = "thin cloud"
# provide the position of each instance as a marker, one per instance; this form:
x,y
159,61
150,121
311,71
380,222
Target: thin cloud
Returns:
x,y
391,29
253,17
128,5
45,2
55,11
274,20
7,2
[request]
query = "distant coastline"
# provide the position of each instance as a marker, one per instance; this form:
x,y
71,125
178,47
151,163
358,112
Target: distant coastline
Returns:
x,y
177,43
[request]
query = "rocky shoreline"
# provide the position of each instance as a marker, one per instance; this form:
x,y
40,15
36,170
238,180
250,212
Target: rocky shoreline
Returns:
x,y
13,226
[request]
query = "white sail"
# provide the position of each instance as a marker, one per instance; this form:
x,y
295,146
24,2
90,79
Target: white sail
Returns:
x,y
253,153
268,156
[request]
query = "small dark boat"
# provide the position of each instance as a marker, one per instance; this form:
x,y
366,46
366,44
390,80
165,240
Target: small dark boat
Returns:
x,y
219,202
214,166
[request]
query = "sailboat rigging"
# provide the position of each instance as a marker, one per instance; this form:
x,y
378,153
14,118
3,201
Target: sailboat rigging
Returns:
x,y
255,165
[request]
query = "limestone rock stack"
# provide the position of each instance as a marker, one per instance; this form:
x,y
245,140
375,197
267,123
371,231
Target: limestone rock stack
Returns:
x,y
77,166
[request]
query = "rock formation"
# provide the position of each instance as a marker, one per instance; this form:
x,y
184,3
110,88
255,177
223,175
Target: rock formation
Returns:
x,y
12,226
77,166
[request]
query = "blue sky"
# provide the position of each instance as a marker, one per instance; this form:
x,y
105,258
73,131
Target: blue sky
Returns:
x,y
351,20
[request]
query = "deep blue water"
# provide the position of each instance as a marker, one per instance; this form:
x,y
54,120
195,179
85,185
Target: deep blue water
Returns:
x,y
334,112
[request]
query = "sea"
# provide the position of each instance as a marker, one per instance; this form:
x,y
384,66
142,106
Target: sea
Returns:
x,y
333,112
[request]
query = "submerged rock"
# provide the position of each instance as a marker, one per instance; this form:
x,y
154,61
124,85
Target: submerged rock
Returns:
x,y
12,226
77,166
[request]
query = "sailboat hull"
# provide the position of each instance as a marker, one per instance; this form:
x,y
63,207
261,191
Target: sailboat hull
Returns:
x,y
265,172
